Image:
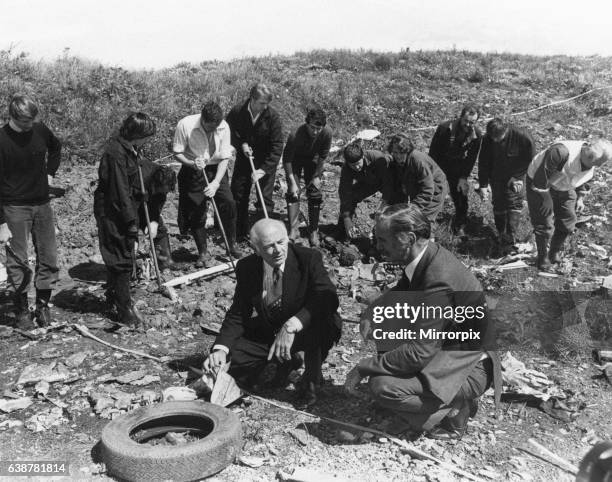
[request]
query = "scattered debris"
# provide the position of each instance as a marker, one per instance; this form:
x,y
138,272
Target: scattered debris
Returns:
x,y
75,360
9,406
250,461
172,394
46,419
303,474
54,372
300,435
8,424
225,391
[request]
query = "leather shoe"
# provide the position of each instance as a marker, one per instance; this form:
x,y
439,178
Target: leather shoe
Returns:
x,y
455,427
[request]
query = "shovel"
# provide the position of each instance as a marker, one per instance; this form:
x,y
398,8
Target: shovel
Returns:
x,y
167,291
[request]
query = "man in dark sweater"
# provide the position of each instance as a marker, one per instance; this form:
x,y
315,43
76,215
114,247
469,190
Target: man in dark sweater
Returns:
x,y
256,131
454,147
306,151
506,153
29,152
363,175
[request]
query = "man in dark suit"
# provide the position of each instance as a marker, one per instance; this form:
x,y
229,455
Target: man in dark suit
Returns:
x,y
284,303
256,131
436,375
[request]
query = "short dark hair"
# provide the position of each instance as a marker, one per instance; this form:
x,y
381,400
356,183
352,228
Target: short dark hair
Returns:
x,y
352,153
137,126
212,112
316,116
496,127
406,218
163,180
402,142
260,90
22,106
471,109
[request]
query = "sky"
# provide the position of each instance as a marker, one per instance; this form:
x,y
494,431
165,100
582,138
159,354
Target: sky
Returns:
x,y
159,33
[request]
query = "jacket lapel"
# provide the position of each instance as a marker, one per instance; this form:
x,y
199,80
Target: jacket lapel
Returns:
x,y
290,278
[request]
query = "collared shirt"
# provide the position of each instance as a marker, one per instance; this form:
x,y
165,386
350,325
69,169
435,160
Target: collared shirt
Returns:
x,y
409,270
253,117
192,140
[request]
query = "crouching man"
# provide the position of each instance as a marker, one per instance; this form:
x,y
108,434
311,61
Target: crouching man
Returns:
x,y
431,379
284,303
557,183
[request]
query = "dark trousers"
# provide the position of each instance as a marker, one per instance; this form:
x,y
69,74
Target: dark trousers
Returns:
x,y
37,221
460,201
415,404
115,246
194,205
505,199
241,190
307,171
552,210
250,352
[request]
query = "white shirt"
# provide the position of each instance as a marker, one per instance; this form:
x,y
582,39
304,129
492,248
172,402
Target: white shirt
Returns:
x,y
409,270
191,140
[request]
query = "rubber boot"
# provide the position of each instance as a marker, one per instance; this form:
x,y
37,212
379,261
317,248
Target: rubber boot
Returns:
x,y
293,215
543,261
514,221
42,315
314,210
127,314
199,236
23,320
501,221
556,246
230,232
164,255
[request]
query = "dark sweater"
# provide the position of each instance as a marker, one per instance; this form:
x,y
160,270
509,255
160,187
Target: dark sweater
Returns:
x,y
302,147
506,159
25,160
455,150
265,138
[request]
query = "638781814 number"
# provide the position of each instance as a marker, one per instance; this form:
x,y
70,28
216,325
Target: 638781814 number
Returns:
x,y
33,467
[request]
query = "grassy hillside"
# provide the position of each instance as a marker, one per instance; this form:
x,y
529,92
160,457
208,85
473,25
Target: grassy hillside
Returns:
x,y
84,101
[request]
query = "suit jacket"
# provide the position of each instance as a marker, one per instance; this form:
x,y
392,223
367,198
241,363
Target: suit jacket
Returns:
x,y
308,293
443,366
265,138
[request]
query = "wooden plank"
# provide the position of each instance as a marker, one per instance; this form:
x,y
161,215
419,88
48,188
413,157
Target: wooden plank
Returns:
x,y
187,278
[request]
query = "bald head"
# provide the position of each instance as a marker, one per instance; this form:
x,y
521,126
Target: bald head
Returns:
x,y
270,241
596,153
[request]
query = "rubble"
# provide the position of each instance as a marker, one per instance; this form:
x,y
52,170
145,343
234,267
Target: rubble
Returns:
x,y
8,406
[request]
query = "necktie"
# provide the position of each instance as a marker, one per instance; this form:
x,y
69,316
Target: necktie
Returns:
x,y
211,143
276,274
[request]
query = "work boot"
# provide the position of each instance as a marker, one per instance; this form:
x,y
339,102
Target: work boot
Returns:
x,y
127,314
314,210
42,315
164,255
543,261
199,236
293,215
556,246
23,319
